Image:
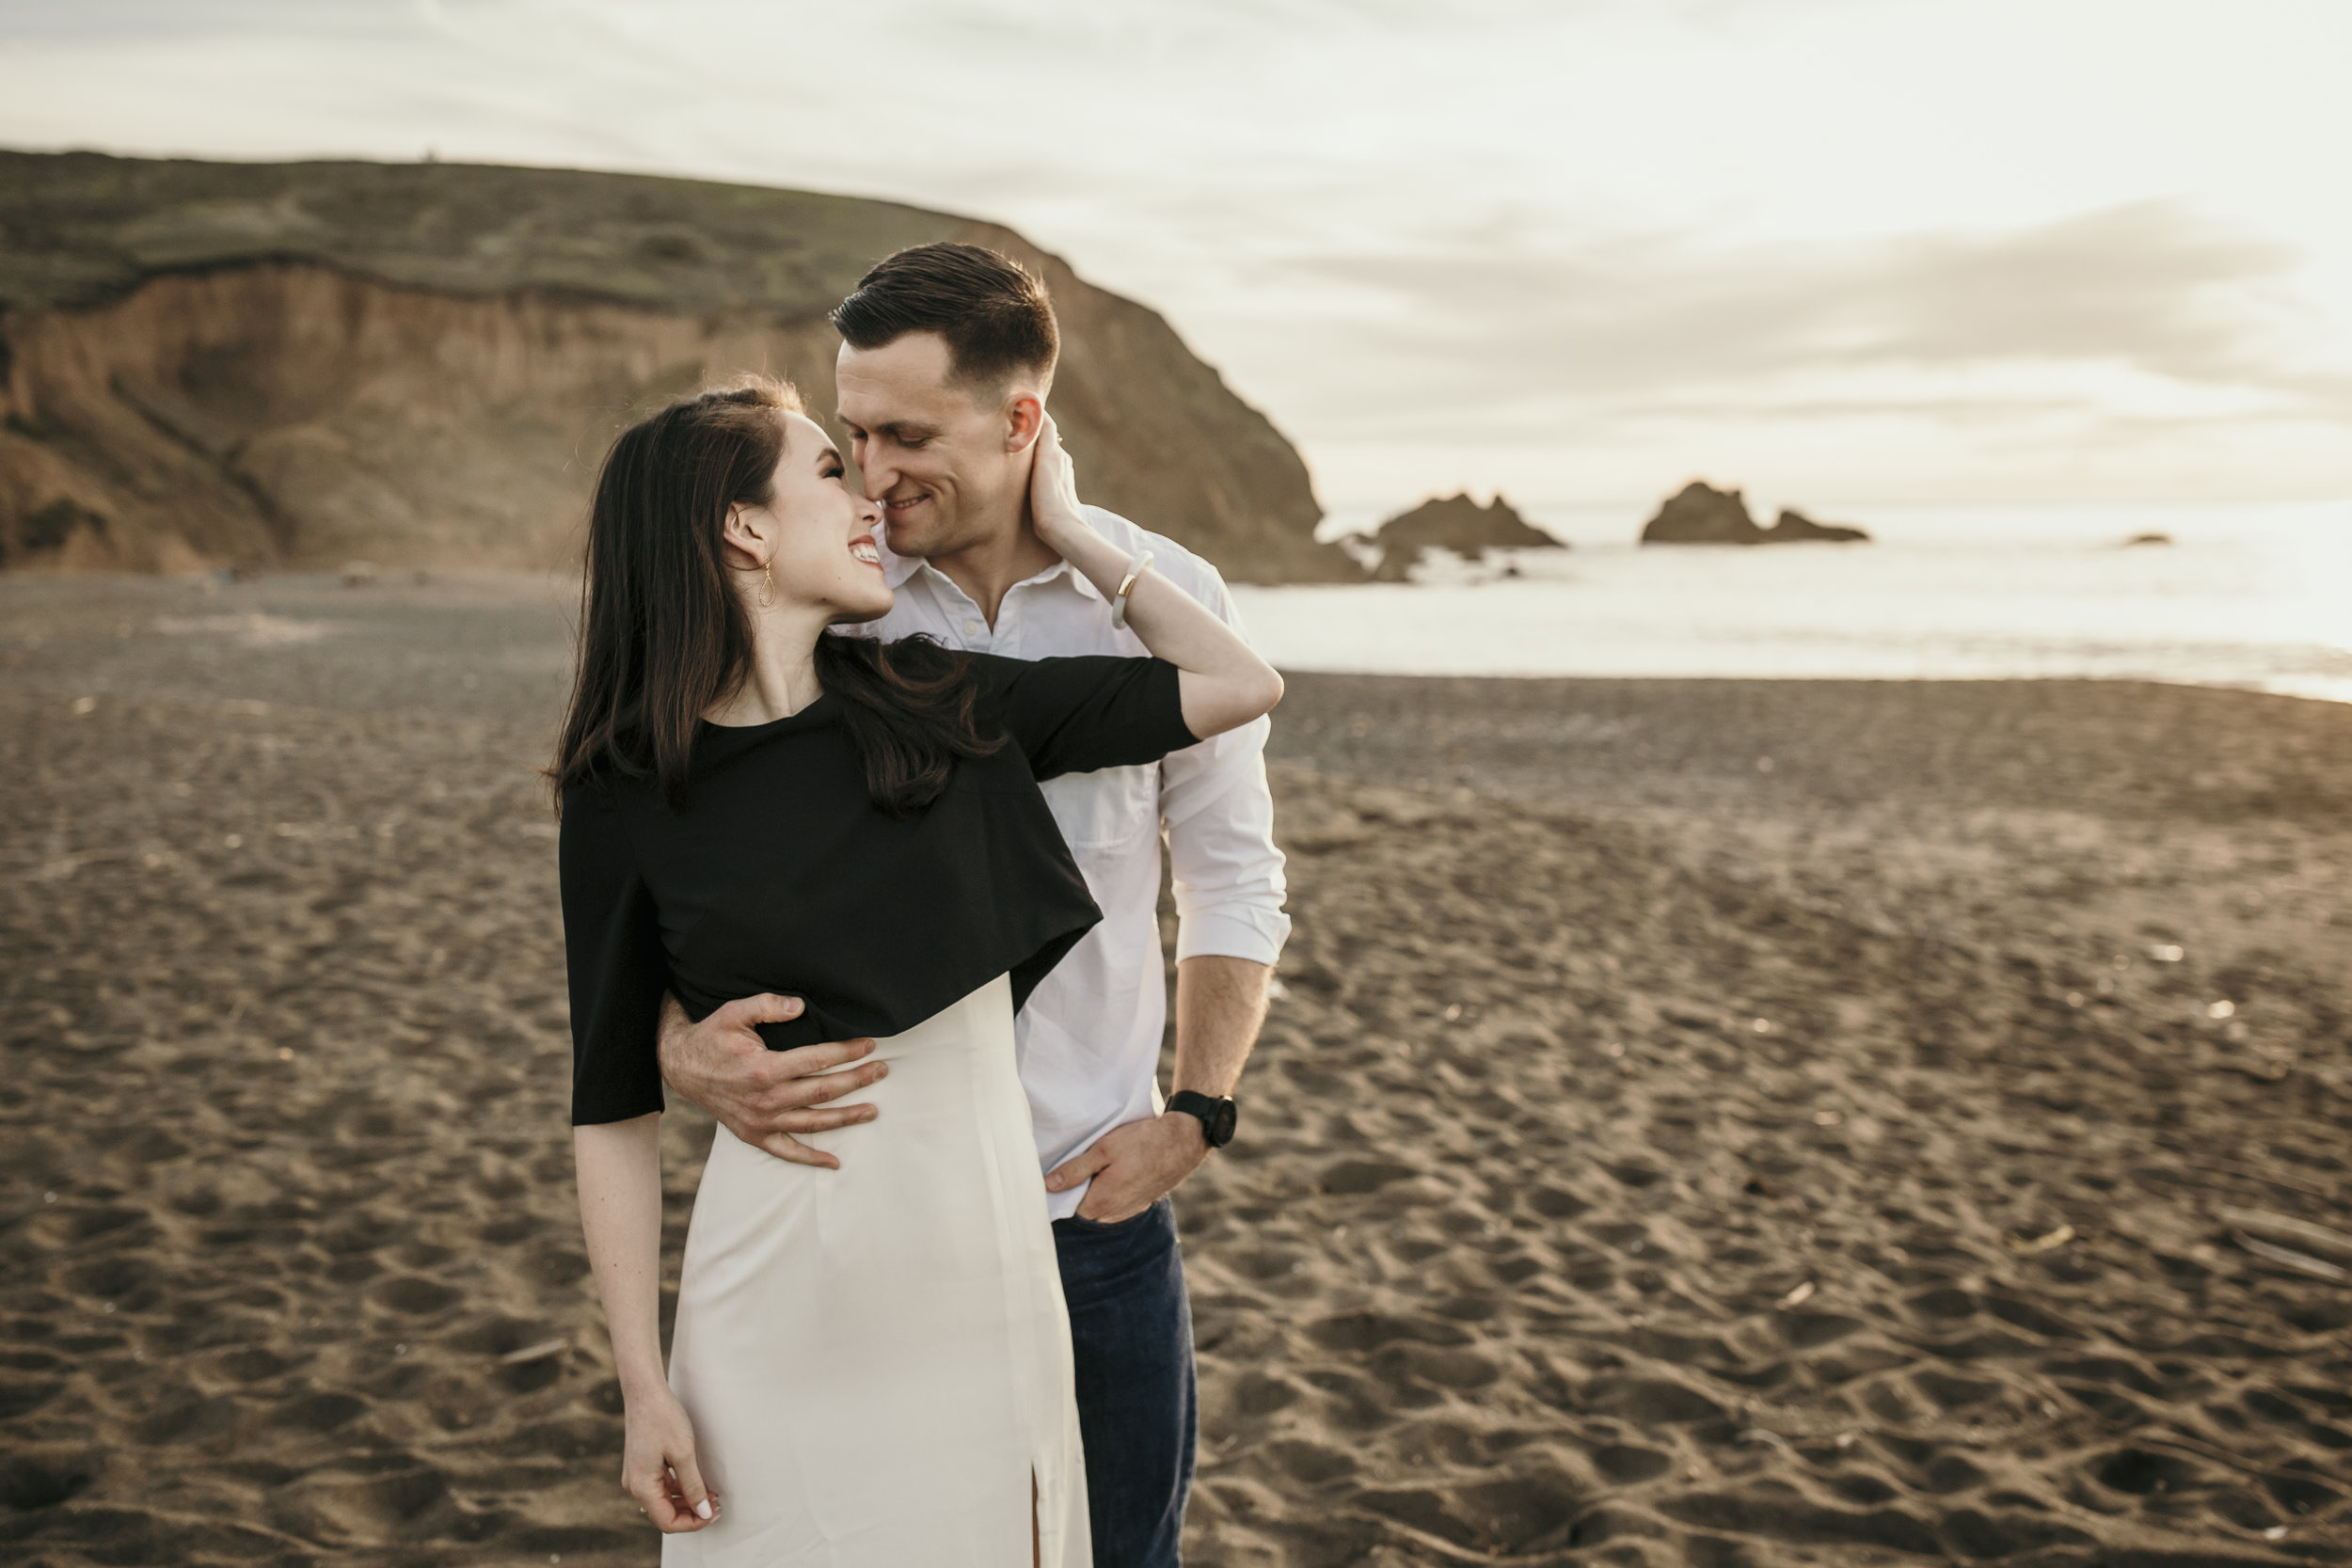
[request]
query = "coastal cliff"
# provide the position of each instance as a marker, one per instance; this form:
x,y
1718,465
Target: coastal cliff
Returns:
x,y
286,364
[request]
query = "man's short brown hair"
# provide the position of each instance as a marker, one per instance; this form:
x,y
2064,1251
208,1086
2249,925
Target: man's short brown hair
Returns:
x,y
991,310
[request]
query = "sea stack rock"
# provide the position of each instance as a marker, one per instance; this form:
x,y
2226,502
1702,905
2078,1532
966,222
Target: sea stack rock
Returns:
x,y
1458,524
1699,514
1791,525
243,365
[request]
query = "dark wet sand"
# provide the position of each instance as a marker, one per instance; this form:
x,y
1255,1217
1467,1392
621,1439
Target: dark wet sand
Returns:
x,y
1599,1045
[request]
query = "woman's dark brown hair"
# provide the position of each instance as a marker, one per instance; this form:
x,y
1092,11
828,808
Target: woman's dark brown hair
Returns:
x,y
662,635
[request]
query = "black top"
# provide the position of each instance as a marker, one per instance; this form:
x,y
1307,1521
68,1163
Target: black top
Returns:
x,y
780,874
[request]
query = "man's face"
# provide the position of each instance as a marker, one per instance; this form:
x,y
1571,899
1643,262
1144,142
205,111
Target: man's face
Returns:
x,y
949,464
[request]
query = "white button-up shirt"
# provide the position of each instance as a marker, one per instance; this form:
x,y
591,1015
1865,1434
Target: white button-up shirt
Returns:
x,y
1089,1037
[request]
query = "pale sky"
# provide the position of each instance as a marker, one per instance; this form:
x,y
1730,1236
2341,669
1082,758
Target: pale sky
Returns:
x,y
1839,252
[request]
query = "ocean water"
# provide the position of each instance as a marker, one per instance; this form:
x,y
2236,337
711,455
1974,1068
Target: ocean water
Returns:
x,y
2257,597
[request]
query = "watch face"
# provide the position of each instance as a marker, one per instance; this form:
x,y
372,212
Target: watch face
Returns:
x,y
1221,1123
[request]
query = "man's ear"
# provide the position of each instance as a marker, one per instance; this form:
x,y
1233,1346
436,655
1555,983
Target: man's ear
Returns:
x,y
1025,415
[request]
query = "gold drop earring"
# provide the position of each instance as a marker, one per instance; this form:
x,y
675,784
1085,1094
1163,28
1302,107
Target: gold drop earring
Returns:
x,y
767,583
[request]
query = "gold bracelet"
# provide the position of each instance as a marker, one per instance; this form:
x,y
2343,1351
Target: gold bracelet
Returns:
x,y
1136,568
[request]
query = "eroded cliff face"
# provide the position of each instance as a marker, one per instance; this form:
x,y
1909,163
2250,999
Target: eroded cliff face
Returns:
x,y
290,414
189,377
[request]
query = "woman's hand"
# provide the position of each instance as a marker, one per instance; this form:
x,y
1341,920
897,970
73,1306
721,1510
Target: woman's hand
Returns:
x,y
620,1214
1222,683
1054,492
659,1468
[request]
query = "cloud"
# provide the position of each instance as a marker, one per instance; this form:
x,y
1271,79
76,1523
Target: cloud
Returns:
x,y
115,20
2147,286
1447,244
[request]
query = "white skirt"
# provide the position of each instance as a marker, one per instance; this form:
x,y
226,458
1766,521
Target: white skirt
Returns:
x,y
877,1358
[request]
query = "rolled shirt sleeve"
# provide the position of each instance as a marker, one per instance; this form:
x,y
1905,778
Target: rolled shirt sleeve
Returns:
x,y
1218,814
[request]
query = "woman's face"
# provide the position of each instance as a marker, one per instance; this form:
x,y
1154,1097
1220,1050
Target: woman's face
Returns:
x,y
817,533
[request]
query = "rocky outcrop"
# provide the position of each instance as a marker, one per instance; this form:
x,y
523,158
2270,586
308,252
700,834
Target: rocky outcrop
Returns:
x,y
1456,523
421,364
1791,526
1701,514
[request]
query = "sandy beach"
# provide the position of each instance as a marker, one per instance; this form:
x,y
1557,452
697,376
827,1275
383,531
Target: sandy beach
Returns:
x,y
1705,1123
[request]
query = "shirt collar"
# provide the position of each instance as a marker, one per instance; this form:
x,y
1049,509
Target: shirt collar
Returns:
x,y
898,568
1078,579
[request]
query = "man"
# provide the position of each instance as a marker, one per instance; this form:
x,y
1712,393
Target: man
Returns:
x,y
947,360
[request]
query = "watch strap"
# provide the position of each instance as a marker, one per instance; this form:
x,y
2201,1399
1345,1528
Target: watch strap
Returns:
x,y
1218,1117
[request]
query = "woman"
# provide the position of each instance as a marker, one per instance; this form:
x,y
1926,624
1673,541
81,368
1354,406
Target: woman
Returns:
x,y
871,1364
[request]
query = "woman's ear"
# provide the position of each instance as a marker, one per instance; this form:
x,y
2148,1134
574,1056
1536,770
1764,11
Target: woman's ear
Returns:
x,y
746,536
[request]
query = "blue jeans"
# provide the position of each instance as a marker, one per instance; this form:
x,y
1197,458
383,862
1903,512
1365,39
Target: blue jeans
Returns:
x,y
1131,1329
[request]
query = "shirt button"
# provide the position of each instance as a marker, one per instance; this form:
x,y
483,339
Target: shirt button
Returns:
x,y
971,629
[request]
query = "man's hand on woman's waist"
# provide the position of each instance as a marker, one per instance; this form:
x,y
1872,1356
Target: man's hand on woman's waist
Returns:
x,y
761,1096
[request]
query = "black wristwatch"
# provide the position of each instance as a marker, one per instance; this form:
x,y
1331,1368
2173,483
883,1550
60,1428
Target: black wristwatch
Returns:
x,y
1218,1117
